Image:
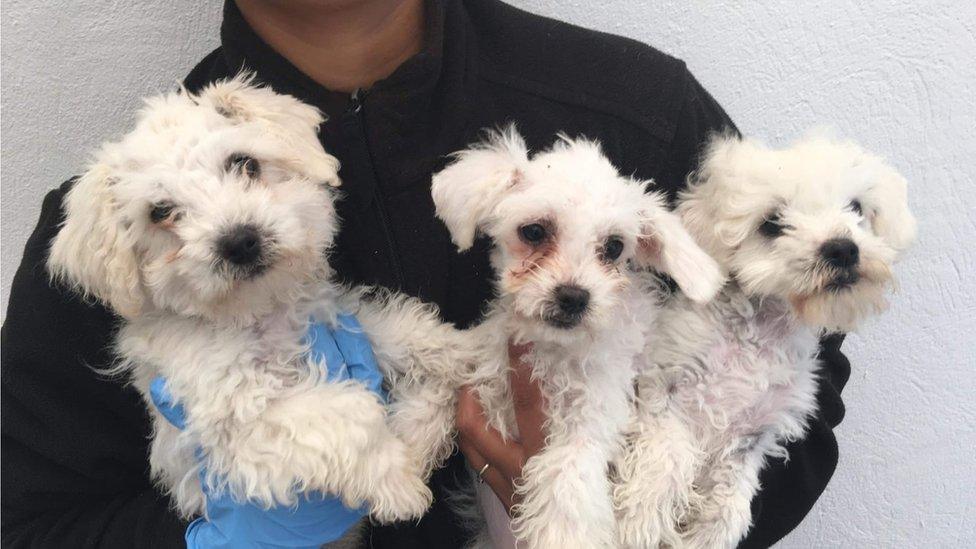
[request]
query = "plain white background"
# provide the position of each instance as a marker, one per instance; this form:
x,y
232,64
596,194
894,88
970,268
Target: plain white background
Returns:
x,y
897,75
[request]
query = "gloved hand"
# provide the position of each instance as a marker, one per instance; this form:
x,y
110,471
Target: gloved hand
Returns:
x,y
317,518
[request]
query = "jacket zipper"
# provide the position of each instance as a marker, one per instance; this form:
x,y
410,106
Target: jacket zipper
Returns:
x,y
357,105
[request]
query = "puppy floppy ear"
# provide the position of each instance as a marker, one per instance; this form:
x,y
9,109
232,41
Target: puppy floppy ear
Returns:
x,y
711,206
665,245
92,252
296,123
242,99
313,162
466,192
885,203
298,152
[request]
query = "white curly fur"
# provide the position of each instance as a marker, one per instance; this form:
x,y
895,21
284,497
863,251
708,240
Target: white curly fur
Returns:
x,y
585,368
229,342
725,385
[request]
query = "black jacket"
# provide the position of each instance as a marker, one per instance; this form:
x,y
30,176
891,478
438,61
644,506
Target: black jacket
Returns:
x,y
75,445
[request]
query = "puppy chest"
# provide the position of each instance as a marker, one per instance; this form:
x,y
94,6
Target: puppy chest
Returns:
x,y
745,377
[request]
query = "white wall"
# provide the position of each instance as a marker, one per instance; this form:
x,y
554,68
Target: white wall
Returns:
x,y
897,75
72,75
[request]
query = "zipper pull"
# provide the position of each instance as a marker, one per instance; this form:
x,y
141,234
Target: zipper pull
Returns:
x,y
356,99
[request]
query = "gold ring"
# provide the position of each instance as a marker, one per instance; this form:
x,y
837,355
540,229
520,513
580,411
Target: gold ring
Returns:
x,y
481,473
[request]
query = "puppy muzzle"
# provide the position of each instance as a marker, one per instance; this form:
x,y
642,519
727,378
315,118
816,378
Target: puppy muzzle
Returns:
x,y
244,252
843,280
569,306
840,258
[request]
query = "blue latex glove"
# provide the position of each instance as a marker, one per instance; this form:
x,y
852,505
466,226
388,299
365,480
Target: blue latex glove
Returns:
x,y
347,353
317,518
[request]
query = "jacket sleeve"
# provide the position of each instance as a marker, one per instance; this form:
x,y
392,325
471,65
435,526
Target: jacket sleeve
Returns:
x,y
789,488
74,442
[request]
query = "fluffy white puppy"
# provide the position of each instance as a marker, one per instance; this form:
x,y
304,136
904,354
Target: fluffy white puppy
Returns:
x,y
564,224
207,228
808,235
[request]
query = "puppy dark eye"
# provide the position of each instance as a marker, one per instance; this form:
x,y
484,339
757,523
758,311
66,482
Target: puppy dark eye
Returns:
x,y
612,248
533,233
772,226
855,206
243,163
161,211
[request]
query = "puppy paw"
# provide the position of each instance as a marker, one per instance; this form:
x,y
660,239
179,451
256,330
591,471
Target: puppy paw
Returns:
x,y
401,496
632,536
708,539
648,514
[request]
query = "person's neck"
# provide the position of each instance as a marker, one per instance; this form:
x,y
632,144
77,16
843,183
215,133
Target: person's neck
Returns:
x,y
343,45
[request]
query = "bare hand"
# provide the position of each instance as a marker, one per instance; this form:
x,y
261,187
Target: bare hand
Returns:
x,y
483,444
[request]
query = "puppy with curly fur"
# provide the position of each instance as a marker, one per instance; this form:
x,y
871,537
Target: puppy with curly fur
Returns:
x,y
206,228
564,225
808,235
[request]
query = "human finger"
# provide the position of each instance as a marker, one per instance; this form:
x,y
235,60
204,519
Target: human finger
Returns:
x,y
506,456
501,484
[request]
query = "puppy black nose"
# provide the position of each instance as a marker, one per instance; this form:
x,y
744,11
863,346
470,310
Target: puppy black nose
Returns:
x,y
572,300
241,245
841,253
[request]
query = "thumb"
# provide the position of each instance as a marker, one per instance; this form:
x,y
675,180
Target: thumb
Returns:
x,y
166,404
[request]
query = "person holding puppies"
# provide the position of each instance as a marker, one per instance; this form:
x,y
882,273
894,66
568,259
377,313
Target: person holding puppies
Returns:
x,y
404,84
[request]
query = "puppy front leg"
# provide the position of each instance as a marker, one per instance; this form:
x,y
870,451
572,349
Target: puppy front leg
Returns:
x,y
328,437
422,416
723,514
174,466
565,498
653,488
423,360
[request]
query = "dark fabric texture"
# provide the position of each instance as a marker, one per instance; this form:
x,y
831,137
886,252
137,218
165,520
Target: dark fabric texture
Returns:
x,y
74,447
